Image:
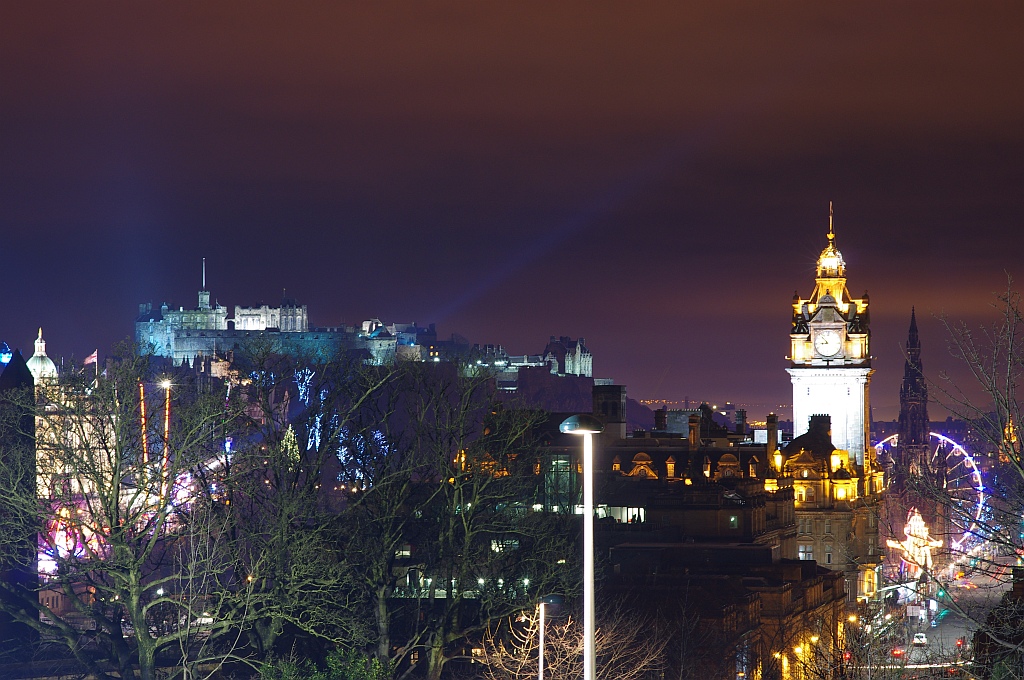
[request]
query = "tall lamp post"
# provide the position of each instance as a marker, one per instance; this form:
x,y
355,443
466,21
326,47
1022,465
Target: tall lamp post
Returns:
x,y
587,426
551,599
166,384
540,643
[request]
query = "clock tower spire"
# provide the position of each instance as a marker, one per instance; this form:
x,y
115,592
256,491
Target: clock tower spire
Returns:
x,y
830,355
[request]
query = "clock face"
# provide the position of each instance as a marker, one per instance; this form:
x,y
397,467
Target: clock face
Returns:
x,y
827,343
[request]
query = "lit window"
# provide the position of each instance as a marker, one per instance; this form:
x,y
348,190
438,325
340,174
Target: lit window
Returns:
x,y
805,552
734,522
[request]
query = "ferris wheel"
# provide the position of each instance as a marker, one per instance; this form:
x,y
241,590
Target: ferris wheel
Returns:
x,y
963,485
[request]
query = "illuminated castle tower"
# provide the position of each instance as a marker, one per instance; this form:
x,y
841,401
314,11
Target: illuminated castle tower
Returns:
x,y
830,355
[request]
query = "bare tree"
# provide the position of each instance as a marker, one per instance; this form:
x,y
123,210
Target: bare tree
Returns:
x,y
275,495
441,527
989,539
109,502
627,644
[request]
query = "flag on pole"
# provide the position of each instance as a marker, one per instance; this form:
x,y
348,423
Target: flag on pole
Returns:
x,y
92,358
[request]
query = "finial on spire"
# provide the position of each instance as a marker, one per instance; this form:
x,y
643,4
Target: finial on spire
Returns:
x,y
831,231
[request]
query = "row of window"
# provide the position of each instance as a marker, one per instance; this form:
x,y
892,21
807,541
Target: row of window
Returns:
x,y
805,525
805,551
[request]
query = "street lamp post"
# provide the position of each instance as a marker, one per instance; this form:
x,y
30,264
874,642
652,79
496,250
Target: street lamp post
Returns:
x,y
166,384
587,426
540,654
551,599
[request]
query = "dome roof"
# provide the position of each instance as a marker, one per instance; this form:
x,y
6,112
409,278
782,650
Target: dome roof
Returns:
x,y
842,473
830,262
40,365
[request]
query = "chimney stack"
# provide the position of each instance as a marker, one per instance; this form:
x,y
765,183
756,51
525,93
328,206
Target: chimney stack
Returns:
x,y
773,433
694,431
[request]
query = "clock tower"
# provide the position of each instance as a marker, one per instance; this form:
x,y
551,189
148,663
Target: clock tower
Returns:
x,y
830,355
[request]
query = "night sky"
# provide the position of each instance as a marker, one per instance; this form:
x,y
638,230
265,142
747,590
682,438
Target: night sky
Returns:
x,y
653,178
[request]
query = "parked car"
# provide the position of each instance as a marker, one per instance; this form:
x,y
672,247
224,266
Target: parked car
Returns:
x,y
920,640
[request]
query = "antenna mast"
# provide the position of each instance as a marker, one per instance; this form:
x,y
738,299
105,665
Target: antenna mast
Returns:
x,y
204,266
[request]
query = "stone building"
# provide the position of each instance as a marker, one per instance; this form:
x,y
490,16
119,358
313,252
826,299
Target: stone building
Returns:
x,y
916,473
290,317
838,506
757,615
711,484
830,355
836,477
569,357
184,334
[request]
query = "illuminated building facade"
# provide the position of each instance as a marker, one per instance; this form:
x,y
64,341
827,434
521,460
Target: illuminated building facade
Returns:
x,y
837,482
569,356
837,502
184,335
830,356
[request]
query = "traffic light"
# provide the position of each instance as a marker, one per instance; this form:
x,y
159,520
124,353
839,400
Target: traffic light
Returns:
x,y
847,656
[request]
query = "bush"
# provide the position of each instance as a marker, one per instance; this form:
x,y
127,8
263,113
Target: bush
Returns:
x,y
340,665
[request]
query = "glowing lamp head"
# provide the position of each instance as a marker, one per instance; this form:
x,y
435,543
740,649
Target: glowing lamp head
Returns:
x,y
581,424
166,384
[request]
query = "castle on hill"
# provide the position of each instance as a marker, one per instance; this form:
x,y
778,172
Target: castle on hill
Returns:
x,y
210,329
